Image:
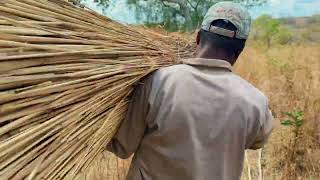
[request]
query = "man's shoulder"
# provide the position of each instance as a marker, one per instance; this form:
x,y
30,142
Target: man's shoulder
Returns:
x,y
176,70
250,91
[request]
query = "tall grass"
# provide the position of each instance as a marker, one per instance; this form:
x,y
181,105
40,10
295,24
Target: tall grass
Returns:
x,y
290,77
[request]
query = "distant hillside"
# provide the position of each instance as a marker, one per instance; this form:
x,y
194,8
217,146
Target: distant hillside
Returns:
x,y
300,22
303,28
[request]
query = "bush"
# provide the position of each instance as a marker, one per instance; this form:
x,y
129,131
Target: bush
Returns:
x,y
284,36
266,28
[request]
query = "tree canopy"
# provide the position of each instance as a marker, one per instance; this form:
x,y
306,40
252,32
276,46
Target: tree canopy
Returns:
x,y
266,28
185,15
174,15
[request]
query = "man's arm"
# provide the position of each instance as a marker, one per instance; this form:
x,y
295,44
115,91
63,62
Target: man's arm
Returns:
x,y
264,131
128,138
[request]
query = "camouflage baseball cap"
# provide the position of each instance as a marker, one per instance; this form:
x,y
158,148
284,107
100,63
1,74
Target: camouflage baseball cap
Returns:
x,y
232,12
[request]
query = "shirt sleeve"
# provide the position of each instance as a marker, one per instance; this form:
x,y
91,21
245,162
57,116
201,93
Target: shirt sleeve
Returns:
x,y
264,132
131,131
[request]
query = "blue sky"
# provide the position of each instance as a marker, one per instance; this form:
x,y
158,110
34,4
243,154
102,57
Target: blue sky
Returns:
x,y
285,8
119,11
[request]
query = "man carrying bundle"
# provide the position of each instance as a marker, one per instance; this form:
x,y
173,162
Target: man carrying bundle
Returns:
x,y
195,120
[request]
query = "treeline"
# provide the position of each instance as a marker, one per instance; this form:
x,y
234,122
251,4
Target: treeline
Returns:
x,y
187,15
269,31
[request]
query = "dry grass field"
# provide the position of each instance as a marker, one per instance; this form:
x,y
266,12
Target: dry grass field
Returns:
x,y
290,76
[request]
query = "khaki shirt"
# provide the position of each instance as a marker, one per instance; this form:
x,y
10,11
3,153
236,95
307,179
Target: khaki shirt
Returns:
x,y
192,121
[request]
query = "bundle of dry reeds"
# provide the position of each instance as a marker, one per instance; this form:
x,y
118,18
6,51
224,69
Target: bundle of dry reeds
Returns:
x,y
65,76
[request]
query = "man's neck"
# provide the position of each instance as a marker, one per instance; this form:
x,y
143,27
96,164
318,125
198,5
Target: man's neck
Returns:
x,y
211,53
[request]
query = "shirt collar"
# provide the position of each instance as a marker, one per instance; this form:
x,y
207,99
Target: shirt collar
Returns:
x,y
208,63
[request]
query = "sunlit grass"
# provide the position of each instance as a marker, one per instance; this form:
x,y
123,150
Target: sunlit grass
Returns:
x,y
290,77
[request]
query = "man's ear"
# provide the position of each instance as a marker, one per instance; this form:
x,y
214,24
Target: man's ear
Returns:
x,y
198,37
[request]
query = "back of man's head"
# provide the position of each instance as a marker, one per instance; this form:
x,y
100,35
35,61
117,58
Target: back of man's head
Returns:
x,y
224,30
230,47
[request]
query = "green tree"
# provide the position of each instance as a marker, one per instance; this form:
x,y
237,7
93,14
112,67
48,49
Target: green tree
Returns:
x,y
185,15
266,28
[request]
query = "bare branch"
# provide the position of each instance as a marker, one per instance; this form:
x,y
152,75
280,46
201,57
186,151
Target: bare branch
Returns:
x,y
188,1
198,3
168,6
185,11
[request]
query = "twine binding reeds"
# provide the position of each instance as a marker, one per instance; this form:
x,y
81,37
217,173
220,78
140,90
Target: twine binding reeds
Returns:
x,y
65,77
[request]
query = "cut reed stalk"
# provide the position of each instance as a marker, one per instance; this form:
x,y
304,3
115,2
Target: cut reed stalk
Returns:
x,y
65,77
